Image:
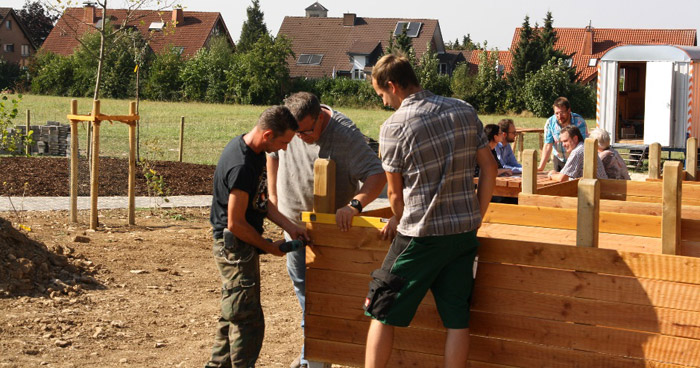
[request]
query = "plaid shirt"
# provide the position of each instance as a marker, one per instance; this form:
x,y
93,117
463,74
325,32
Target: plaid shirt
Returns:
x,y
574,164
432,141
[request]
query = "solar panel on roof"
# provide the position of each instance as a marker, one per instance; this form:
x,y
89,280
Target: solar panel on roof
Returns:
x,y
311,59
412,28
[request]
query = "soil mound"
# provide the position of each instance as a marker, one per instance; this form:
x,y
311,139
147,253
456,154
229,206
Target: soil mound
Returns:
x,y
29,268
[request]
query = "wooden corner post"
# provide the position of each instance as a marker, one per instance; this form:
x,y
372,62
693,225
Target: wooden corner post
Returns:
x,y
655,161
590,159
587,219
671,216
529,171
132,166
324,186
95,169
691,159
74,157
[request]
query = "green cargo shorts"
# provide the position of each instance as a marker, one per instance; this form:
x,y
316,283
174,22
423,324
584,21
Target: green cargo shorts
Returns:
x,y
414,265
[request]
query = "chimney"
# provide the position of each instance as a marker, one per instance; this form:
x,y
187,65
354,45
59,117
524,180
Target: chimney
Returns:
x,y
89,13
349,19
178,17
587,47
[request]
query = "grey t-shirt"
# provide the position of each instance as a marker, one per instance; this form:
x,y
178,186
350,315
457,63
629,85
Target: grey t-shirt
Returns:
x,y
342,142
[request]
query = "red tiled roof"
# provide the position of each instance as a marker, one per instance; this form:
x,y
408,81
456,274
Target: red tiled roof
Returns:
x,y
192,34
4,12
571,42
505,58
329,37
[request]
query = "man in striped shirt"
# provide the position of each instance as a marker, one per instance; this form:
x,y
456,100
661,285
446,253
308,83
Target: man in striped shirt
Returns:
x,y
429,148
572,139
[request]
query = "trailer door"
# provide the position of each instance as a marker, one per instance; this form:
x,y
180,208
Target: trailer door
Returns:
x,y
658,103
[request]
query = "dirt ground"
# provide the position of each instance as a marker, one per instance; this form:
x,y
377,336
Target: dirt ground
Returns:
x,y
140,296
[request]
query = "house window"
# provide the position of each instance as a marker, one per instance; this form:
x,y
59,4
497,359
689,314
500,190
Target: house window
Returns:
x,y
569,62
9,47
178,49
310,59
592,62
8,24
442,68
358,74
25,50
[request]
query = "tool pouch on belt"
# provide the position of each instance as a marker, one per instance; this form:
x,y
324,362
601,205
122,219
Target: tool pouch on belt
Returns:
x,y
383,290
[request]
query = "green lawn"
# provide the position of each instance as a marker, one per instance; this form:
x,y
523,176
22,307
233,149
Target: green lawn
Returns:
x,y
208,127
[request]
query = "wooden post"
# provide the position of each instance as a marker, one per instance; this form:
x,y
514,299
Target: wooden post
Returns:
x,y
590,158
671,216
74,158
529,171
27,147
95,170
587,219
654,161
324,186
182,136
691,159
132,166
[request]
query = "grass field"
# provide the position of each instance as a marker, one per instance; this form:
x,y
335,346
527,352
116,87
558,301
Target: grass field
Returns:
x,y
208,127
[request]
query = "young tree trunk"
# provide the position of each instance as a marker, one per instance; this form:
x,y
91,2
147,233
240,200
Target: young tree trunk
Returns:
x,y
98,77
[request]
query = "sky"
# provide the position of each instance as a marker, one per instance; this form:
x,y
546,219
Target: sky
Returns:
x,y
490,20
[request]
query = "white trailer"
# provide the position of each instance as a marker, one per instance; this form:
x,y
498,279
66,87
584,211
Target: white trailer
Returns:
x,y
648,94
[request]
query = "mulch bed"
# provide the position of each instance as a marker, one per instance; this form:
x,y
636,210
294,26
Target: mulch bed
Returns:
x,y
49,176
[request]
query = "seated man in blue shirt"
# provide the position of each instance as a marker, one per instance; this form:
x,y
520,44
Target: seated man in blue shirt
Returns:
x,y
503,150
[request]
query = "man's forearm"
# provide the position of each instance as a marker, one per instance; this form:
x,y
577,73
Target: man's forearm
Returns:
x,y
371,188
546,152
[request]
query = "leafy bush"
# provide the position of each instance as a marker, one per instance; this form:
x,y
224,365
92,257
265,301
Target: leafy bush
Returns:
x,y
164,81
204,75
52,74
260,75
9,74
339,91
551,81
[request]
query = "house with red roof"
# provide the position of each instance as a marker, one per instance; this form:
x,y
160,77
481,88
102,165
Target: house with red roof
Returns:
x,y
348,46
187,31
587,45
16,45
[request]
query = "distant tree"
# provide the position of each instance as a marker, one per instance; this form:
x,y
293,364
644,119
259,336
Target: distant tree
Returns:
x,y
428,76
401,45
260,75
527,54
38,20
468,44
554,80
164,81
253,29
548,39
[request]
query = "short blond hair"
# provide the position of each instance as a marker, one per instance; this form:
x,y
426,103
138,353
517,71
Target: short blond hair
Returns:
x,y
396,69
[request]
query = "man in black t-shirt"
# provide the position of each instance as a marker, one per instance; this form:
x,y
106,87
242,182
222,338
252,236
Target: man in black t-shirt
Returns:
x,y
239,206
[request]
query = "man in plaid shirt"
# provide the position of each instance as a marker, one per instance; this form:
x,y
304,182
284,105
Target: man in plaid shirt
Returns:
x,y
429,148
572,139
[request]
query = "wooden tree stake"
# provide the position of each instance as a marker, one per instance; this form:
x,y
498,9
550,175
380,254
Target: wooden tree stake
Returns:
x,y
74,158
132,166
691,159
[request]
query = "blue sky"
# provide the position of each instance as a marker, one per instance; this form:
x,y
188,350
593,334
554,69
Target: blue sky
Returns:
x,y
492,20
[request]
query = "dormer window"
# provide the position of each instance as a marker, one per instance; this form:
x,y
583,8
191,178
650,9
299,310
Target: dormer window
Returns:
x,y
8,24
592,62
310,59
156,26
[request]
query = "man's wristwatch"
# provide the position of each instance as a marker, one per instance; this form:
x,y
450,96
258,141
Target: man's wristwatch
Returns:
x,y
354,203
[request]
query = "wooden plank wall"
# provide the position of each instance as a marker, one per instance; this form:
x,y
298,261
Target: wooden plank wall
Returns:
x,y
534,305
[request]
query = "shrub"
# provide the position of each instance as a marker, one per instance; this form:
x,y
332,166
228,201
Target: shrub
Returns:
x,y
52,74
339,91
164,77
9,74
551,81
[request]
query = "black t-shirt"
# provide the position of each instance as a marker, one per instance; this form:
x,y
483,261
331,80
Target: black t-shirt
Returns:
x,y
241,168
